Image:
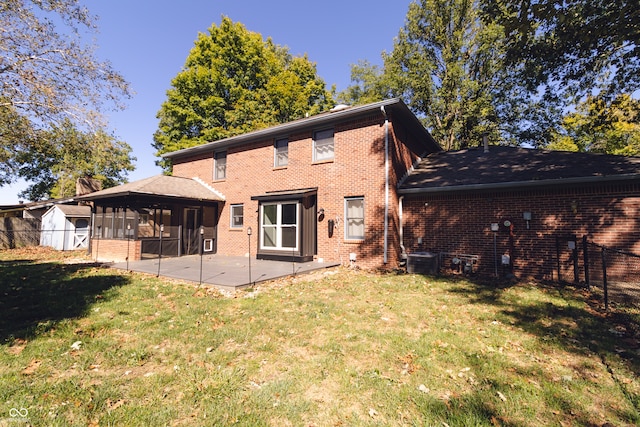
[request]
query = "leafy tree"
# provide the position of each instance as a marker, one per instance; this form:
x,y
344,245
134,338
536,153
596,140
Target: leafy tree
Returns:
x,y
51,78
602,127
369,84
233,82
447,65
48,73
572,48
16,135
64,154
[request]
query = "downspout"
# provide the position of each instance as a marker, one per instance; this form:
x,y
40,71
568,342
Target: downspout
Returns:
x,y
403,255
386,185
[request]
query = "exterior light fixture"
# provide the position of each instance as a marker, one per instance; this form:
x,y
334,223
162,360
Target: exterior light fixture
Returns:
x,y
527,217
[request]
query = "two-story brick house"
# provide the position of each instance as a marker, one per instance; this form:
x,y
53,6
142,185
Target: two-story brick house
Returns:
x,y
322,187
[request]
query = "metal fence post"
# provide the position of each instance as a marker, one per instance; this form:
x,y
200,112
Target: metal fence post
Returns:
x,y
604,279
160,248
585,254
558,258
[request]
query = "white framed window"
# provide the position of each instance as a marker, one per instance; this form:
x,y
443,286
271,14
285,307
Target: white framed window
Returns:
x,y
237,216
279,224
323,148
220,165
354,218
281,152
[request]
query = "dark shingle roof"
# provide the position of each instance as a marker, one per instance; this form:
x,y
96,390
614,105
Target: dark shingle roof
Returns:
x,y
160,185
394,105
511,167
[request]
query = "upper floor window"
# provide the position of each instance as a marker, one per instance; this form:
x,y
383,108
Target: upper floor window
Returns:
x,y
220,165
237,216
323,145
354,218
281,152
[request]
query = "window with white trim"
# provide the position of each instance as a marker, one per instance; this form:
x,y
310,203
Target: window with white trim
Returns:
x,y
281,153
323,147
279,223
237,216
220,165
354,218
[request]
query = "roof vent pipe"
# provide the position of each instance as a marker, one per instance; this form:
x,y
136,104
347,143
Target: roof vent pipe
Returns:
x,y
485,142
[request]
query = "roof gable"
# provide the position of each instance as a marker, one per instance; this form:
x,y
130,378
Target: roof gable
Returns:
x,y
161,185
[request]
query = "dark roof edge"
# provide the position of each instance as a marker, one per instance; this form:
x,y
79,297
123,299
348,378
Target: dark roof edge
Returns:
x,y
130,193
317,120
520,184
284,195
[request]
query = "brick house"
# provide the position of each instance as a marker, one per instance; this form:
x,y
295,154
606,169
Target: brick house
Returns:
x,y
369,186
539,202
324,187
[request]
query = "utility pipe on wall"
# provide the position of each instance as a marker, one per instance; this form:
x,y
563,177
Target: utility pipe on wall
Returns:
x,y
403,255
386,184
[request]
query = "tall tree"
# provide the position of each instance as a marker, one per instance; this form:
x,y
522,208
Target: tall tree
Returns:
x,y
50,78
447,65
64,154
602,127
369,84
16,135
572,48
233,82
48,71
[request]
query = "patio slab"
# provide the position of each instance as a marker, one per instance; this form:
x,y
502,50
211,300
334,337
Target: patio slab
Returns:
x,y
227,272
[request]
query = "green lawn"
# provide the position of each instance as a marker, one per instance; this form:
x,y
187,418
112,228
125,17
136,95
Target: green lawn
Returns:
x,y
89,346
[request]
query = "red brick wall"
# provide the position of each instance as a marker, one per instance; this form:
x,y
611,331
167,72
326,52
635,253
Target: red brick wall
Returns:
x,y
357,170
107,250
608,214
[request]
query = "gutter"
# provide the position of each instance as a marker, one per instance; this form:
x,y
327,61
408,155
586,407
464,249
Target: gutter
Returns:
x,y
386,185
305,123
519,184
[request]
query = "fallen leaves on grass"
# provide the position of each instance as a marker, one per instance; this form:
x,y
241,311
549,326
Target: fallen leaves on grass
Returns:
x,y
18,345
114,405
32,367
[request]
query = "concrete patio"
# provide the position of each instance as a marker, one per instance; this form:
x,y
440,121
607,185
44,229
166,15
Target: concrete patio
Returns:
x,y
223,271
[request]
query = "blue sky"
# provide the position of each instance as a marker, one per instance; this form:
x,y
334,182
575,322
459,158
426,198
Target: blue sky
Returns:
x,y
148,42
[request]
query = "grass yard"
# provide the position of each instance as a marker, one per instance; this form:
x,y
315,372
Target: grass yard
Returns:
x,y
83,345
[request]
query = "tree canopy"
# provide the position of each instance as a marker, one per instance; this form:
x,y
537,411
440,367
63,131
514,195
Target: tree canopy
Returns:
x,y
573,48
63,154
601,127
49,72
52,80
234,81
448,66
507,68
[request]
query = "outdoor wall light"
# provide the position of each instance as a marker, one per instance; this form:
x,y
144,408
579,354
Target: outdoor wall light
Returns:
x,y
249,231
527,217
321,214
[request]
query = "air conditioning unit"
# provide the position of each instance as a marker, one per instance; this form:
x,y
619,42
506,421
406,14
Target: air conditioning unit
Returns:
x,y
423,263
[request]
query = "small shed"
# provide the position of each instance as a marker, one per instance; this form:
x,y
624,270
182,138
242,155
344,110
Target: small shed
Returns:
x,y
66,227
